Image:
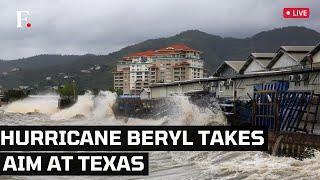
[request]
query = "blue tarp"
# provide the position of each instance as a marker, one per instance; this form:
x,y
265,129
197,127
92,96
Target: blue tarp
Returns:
x,y
273,86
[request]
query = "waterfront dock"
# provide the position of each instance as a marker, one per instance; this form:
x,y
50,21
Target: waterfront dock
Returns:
x,y
279,90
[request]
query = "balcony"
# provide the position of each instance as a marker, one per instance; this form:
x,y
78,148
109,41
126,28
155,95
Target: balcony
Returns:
x,y
176,58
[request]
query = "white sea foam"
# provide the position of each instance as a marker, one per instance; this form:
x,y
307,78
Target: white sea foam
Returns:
x,y
91,110
45,104
99,107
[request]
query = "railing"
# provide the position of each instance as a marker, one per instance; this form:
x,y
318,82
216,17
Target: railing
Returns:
x,y
265,109
285,110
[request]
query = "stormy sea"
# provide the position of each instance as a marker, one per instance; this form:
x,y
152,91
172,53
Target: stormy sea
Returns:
x,y
97,110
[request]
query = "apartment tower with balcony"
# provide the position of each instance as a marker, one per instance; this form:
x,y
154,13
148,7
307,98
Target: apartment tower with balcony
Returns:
x,y
170,64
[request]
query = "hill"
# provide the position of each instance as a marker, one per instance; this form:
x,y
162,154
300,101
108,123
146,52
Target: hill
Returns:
x,y
92,71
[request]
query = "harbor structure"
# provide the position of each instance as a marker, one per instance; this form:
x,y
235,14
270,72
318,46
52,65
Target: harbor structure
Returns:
x,y
312,59
138,71
256,62
280,92
289,57
301,71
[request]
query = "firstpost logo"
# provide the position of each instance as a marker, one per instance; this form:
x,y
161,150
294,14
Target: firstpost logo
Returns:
x,y
23,20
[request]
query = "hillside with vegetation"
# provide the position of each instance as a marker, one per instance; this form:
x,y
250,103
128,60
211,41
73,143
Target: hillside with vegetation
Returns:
x,y
95,71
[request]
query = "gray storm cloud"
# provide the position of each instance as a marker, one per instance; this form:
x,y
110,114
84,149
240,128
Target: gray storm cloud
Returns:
x,y
100,27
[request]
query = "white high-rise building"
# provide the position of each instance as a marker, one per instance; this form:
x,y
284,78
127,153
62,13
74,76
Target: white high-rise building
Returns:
x,y
174,63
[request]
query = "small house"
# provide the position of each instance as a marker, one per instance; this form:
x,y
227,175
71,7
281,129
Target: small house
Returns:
x,y
257,62
229,68
313,57
289,57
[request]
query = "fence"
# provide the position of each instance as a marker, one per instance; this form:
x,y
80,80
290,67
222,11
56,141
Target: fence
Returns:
x,y
285,110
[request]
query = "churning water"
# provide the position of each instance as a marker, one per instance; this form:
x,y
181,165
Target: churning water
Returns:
x,y
97,110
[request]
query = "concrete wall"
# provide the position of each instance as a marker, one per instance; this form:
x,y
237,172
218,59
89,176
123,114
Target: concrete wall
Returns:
x,y
171,90
253,67
284,61
316,57
158,92
243,87
240,87
167,91
225,88
227,72
312,84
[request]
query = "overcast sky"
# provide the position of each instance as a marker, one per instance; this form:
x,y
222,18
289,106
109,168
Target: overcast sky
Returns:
x,y
104,26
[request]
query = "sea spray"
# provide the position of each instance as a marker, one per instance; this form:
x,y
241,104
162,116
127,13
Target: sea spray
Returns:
x,y
103,104
82,108
44,104
249,165
179,165
181,110
90,106
184,112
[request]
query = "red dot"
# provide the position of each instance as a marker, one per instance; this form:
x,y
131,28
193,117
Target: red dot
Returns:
x,y
28,25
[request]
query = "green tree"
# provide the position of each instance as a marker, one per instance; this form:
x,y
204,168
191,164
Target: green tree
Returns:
x,y
68,90
118,91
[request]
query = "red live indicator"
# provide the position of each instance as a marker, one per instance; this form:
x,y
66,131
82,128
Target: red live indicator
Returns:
x,y
296,12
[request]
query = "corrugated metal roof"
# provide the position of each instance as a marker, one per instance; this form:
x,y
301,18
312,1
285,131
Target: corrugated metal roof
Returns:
x,y
298,56
315,50
297,48
264,62
297,53
236,65
263,55
312,52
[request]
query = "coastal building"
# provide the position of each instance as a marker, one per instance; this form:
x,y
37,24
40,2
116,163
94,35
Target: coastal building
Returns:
x,y
257,62
289,57
229,68
299,66
286,65
312,59
138,71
